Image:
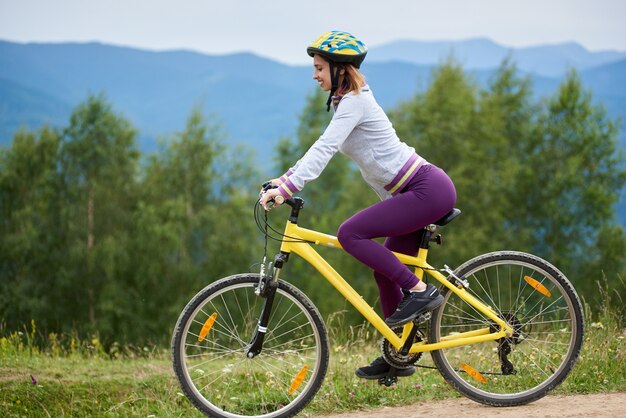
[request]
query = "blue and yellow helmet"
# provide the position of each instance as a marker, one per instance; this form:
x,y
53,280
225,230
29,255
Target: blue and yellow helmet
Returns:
x,y
339,47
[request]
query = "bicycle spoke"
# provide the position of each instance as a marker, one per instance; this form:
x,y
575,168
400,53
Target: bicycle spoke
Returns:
x,y
275,337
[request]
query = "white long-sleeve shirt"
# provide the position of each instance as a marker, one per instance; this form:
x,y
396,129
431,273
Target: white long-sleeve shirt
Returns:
x,y
361,130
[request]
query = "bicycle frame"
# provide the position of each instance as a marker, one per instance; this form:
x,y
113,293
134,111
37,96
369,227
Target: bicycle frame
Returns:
x,y
306,251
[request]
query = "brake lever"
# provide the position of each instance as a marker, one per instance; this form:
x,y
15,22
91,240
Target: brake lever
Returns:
x,y
278,200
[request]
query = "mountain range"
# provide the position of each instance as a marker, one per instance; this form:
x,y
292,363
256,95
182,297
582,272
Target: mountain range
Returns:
x,y
258,100
543,60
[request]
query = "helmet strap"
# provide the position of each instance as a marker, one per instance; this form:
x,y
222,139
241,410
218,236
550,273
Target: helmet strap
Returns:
x,y
334,79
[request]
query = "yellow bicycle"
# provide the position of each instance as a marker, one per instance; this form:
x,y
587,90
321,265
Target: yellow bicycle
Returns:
x,y
510,330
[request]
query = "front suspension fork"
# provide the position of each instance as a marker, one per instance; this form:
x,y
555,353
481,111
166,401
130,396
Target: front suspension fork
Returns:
x,y
267,290
256,344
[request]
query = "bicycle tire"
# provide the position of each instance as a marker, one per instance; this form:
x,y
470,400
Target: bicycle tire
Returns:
x,y
209,354
543,308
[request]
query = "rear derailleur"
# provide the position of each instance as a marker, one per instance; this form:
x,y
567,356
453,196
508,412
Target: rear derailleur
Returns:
x,y
504,344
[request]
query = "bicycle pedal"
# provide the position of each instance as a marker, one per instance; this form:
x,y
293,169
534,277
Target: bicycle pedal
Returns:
x,y
387,380
422,318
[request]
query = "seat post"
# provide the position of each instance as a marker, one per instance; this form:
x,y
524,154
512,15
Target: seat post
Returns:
x,y
424,245
426,235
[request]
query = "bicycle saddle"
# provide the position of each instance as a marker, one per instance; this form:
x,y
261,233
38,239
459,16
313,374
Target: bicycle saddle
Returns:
x,y
448,217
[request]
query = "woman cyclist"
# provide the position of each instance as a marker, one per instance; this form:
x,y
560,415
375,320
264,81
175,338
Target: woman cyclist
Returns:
x,y
413,192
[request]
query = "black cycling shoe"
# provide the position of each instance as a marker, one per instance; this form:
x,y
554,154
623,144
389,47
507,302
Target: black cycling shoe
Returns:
x,y
379,368
414,304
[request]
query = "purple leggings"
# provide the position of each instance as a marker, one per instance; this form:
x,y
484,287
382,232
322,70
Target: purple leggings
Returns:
x,y
428,196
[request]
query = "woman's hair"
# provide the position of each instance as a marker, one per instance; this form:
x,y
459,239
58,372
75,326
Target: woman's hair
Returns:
x,y
353,80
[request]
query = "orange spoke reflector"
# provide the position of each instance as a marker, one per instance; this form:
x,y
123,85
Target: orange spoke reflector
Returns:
x,y
207,327
297,381
537,286
474,373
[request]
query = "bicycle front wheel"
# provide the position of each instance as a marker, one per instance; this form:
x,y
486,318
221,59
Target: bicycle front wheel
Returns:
x,y
541,306
209,350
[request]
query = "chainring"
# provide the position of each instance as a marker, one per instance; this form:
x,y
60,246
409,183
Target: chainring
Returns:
x,y
393,357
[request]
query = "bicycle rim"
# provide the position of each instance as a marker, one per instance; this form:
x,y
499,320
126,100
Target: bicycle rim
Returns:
x,y
209,350
545,312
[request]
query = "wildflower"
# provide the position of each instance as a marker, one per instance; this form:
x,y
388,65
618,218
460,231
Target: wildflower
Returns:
x,y
352,394
417,386
33,380
597,325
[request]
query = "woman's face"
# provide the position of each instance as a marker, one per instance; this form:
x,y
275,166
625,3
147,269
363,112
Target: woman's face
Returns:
x,y
321,72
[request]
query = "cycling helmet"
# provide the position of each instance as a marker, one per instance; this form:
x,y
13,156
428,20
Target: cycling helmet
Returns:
x,y
338,48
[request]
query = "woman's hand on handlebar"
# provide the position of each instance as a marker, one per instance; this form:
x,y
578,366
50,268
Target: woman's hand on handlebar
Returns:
x,y
271,195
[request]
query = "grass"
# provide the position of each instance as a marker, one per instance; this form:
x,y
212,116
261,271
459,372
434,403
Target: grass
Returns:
x,y
66,377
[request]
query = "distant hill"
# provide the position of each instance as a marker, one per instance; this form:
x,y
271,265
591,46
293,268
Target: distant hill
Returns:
x,y
155,90
544,60
257,100
21,105
42,82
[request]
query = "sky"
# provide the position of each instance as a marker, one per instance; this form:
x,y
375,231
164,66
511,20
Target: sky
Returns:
x,y
281,29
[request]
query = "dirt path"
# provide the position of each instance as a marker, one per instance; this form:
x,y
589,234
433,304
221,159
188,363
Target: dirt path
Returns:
x,y
595,406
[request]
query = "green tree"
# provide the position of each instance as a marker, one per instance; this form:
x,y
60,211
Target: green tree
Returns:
x,y
99,163
571,175
504,124
31,234
194,224
604,273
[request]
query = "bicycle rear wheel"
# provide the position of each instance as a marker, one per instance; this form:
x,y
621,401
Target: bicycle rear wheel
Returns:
x,y
542,307
209,350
